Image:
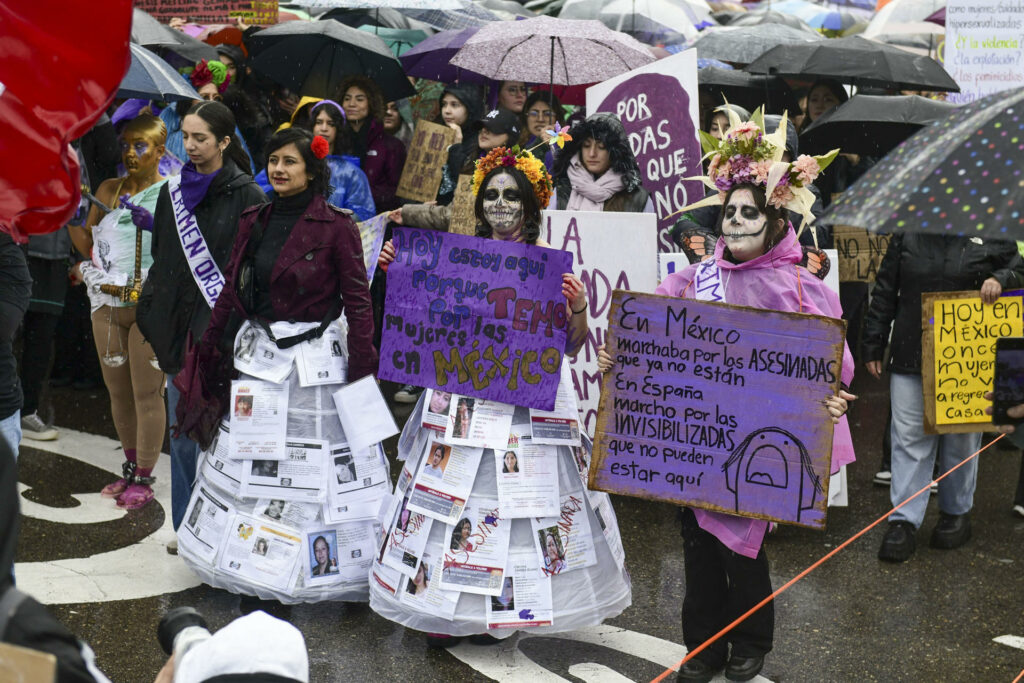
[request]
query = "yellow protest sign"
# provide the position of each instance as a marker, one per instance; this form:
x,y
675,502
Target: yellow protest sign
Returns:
x,y
964,333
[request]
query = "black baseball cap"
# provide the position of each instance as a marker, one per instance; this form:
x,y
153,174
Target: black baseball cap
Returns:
x,y
500,121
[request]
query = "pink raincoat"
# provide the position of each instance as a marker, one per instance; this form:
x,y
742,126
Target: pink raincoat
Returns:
x,y
771,282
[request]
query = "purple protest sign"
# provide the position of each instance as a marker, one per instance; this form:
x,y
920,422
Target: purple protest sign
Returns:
x,y
476,317
654,104
718,407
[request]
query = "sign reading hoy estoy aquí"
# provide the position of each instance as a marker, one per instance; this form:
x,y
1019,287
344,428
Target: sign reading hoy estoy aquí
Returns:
x,y
718,407
475,317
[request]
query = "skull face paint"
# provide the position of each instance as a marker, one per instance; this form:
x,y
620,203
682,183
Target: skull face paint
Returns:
x,y
744,226
503,206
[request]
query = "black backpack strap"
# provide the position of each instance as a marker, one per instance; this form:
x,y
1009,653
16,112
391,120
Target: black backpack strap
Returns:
x,y
314,333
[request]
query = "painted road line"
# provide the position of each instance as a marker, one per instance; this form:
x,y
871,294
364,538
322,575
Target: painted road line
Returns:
x,y
141,570
1012,641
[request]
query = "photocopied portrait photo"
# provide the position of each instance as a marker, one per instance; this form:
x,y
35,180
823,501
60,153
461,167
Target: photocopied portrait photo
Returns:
x,y
323,553
437,459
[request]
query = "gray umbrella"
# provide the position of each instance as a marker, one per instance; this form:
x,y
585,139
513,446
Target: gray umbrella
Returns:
x,y
151,78
744,44
770,17
549,50
149,32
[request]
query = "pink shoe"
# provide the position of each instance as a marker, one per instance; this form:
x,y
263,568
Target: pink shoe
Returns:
x,y
114,490
135,497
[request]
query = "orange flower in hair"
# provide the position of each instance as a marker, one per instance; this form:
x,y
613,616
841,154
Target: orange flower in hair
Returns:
x,y
320,146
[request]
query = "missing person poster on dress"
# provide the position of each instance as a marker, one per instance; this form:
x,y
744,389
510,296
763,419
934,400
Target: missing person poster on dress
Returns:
x,y
364,413
258,356
527,477
436,406
477,549
218,468
601,504
561,426
205,521
422,591
407,538
479,423
444,480
259,420
387,578
564,542
355,483
262,552
290,512
477,317
322,360
525,598
338,554
300,477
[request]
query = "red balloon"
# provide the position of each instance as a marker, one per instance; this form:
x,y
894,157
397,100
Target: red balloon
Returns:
x,y
63,62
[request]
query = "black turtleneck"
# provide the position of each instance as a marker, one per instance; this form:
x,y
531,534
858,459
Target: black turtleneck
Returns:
x,y
284,213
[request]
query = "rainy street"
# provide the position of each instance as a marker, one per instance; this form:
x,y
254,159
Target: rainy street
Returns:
x,y
944,615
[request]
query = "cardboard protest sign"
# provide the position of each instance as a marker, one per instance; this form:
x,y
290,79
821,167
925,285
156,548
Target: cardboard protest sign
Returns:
x,y
463,217
252,12
371,234
983,48
657,104
612,251
719,407
424,164
475,317
958,356
860,253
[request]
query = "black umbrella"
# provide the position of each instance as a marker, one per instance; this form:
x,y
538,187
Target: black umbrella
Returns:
x,y
149,32
962,175
872,124
151,78
771,17
750,91
744,44
311,58
857,61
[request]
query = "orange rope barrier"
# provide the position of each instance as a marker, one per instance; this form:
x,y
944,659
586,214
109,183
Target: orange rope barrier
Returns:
x,y
1019,677
693,653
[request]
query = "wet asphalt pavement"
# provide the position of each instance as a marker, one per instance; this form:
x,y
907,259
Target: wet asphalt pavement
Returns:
x,y
933,618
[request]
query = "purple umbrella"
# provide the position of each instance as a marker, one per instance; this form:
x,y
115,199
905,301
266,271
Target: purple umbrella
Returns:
x,y
429,59
938,17
556,51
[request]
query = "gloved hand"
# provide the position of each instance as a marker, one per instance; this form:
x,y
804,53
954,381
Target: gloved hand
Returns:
x,y
140,217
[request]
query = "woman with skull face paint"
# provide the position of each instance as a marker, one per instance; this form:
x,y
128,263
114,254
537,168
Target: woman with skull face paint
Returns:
x,y
120,254
510,191
756,262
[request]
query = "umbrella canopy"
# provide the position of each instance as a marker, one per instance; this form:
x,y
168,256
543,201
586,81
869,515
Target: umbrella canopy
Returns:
x,y
430,59
510,6
151,78
398,40
872,124
798,8
744,44
937,17
149,32
680,17
548,50
771,17
901,11
962,175
857,61
311,58
750,91
469,16
374,4
833,21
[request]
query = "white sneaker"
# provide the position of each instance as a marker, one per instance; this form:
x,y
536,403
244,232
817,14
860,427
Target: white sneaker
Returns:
x,y
408,394
33,427
1018,510
882,478
172,546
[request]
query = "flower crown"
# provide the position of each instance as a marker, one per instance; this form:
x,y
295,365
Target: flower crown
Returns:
x,y
210,71
746,155
532,167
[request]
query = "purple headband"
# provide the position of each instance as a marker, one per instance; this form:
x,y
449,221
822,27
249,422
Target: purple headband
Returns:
x,y
336,105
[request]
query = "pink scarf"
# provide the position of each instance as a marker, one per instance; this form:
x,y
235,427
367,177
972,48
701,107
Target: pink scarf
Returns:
x,y
589,193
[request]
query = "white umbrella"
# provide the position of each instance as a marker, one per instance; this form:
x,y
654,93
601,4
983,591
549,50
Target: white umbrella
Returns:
x,y
375,4
900,12
676,15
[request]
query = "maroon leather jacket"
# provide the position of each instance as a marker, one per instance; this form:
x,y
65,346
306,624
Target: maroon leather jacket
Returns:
x,y
321,261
